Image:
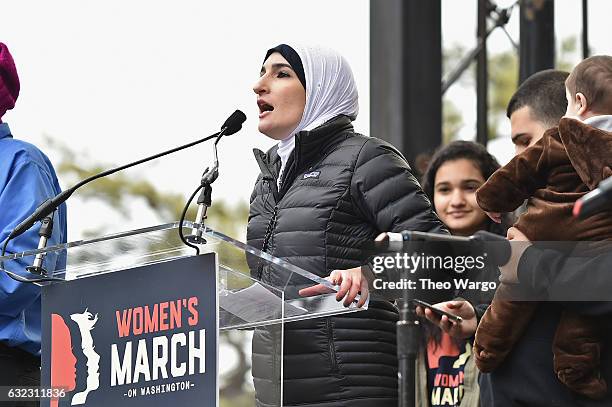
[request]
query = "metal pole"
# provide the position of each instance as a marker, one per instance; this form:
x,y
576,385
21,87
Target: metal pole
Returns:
x,y
537,45
408,332
585,30
482,103
405,74
501,19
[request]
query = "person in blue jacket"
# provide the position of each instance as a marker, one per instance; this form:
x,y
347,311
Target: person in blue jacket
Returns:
x,y
27,178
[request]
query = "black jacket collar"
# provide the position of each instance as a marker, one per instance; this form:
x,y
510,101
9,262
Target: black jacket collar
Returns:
x,y
309,145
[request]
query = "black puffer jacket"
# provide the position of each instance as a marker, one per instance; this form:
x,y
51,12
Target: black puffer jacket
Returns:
x,y
340,190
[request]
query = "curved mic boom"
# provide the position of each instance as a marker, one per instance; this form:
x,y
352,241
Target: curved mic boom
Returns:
x,y
230,126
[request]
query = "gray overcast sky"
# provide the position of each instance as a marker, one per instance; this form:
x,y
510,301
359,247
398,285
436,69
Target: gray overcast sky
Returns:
x,y
119,80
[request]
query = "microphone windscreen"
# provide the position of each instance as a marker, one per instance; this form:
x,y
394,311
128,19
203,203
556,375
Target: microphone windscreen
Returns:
x,y
497,247
595,201
233,123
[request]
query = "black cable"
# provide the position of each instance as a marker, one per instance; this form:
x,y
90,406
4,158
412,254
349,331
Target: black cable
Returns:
x,y
51,204
2,255
181,235
208,177
19,278
232,125
4,247
63,196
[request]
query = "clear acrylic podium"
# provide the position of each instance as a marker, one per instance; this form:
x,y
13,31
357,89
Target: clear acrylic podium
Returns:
x,y
255,290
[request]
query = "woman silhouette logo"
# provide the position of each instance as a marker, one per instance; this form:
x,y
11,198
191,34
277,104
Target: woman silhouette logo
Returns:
x,y
63,361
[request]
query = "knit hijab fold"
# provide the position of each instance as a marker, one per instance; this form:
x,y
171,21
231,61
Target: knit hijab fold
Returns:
x,y
330,89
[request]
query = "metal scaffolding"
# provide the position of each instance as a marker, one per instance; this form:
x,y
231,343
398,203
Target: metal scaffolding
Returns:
x,y
406,65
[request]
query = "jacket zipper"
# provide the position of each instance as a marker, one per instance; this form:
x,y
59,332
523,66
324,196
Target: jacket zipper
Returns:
x,y
332,348
267,173
269,230
267,238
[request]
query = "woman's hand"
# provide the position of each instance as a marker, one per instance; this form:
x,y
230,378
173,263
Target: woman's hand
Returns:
x,y
516,235
463,329
518,244
495,216
351,282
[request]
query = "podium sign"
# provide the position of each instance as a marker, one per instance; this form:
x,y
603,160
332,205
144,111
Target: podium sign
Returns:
x,y
136,320
145,336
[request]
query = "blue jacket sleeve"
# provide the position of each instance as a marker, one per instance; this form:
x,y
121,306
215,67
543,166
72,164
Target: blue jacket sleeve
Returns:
x,y
28,186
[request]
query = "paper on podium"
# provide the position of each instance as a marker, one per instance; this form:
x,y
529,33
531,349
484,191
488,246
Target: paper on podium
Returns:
x,y
256,303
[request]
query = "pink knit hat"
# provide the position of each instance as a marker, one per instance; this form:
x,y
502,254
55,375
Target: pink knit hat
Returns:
x,y
9,81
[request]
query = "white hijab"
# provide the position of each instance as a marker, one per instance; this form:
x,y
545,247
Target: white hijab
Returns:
x,y
330,91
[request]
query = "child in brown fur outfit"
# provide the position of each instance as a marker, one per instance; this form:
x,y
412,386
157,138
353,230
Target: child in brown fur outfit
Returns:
x,y
564,165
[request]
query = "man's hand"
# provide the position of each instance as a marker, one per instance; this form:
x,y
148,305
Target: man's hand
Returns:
x,y
461,308
495,216
351,282
519,243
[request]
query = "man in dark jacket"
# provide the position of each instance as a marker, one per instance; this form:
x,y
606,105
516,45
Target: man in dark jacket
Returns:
x,y
527,376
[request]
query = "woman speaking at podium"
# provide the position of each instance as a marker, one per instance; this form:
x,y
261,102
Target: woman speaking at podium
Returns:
x,y
323,191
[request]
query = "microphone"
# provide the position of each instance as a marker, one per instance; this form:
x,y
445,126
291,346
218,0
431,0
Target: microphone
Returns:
x,y
597,200
233,123
497,247
230,126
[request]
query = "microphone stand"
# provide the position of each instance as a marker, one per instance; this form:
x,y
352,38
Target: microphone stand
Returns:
x,y
232,125
408,337
205,199
45,231
408,326
50,205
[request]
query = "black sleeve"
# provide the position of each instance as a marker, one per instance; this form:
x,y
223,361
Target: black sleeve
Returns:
x,y
580,283
387,193
480,310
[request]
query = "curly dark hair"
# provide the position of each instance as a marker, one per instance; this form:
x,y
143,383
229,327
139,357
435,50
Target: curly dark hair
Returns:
x,y
487,164
456,150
